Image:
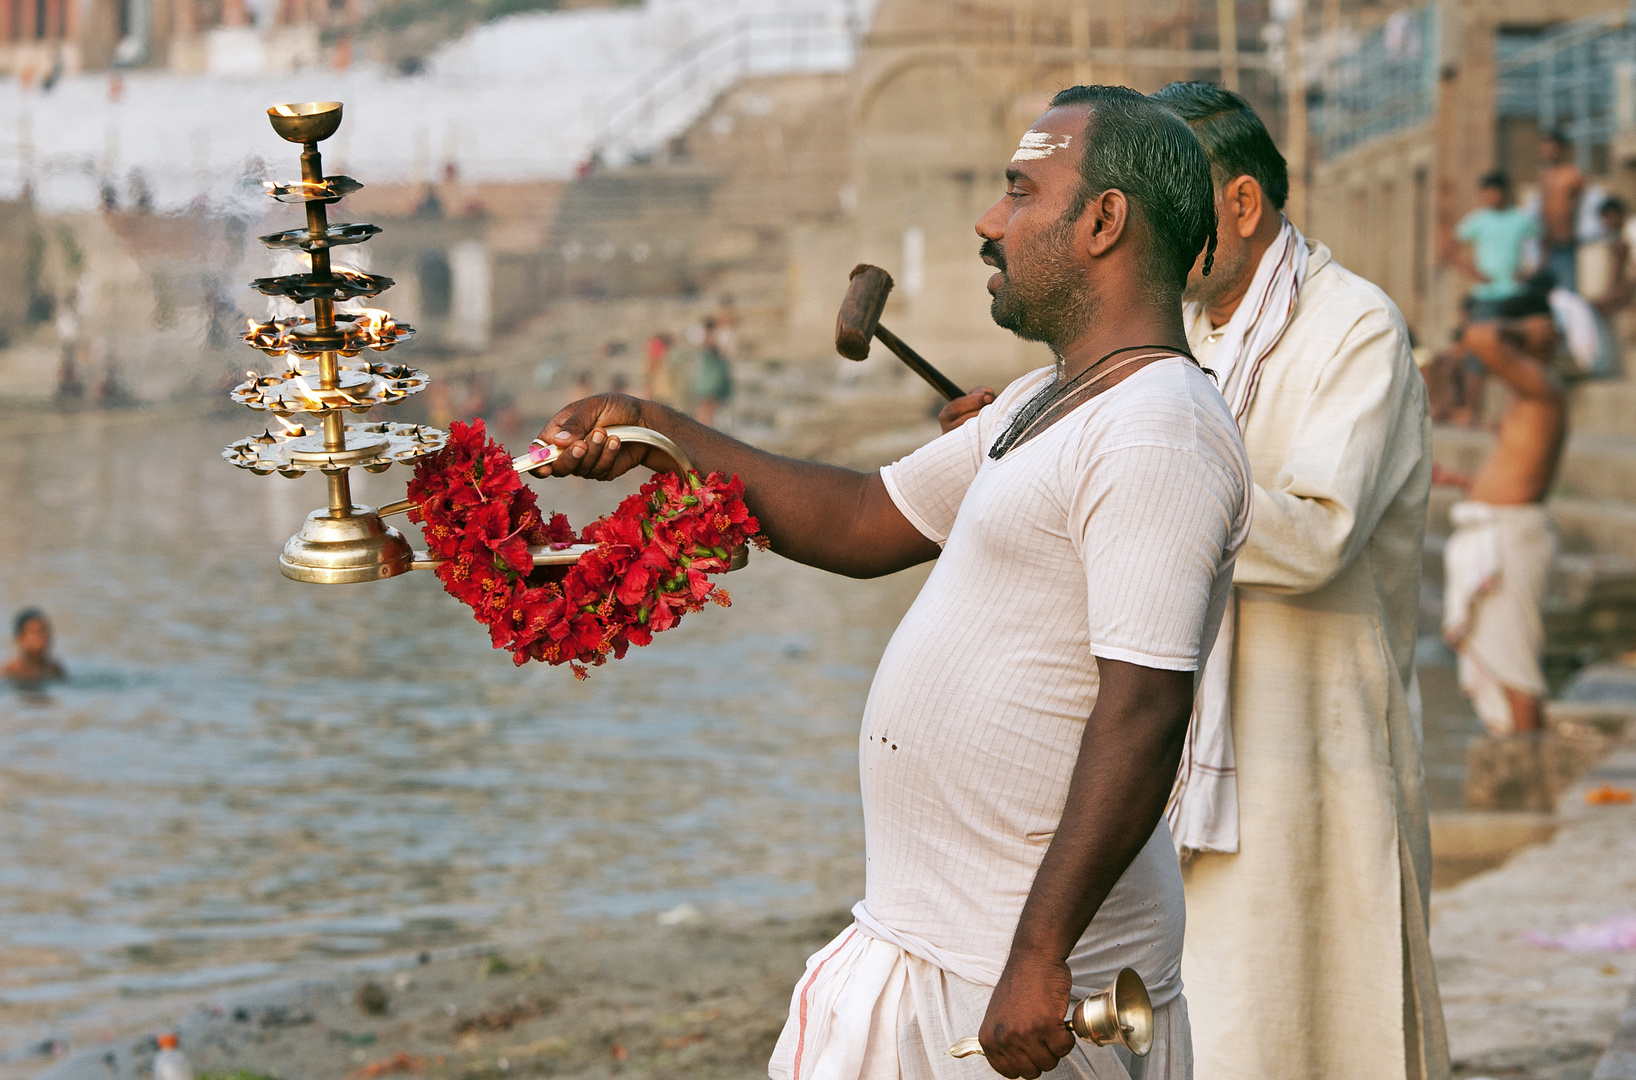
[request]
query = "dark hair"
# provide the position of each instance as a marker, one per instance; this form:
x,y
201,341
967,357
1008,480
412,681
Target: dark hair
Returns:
x,y
24,617
1232,134
1524,304
1495,179
1613,204
1556,137
1535,298
1140,148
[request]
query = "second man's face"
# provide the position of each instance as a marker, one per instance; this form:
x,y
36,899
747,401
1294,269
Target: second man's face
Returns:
x,y
1232,257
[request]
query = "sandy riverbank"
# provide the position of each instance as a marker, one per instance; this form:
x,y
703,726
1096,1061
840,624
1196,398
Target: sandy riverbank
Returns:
x,y
1518,1011
634,999
693,999
684,997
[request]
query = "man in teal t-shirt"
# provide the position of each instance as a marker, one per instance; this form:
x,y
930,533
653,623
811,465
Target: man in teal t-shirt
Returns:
x,y
1496,233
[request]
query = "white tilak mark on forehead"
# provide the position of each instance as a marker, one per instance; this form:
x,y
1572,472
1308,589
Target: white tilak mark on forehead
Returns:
x,y
1040,144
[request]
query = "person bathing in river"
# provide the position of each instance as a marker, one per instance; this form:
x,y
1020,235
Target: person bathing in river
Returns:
x,y
1026,720
33,662
1496,562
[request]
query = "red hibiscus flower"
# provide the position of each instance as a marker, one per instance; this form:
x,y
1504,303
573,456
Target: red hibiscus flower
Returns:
x,y
648,569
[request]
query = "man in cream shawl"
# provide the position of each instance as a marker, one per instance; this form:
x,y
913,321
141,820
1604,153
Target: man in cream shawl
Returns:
x,y
1300,811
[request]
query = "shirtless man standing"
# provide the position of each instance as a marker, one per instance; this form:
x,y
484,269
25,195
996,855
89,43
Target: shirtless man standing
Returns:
x,y
1561,186
1497,560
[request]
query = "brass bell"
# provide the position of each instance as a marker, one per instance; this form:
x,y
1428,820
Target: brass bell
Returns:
x,y
1121,1014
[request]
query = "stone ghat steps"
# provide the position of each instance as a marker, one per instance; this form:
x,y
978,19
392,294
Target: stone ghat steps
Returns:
x,y
1604,408
1605,529
713,213
634,195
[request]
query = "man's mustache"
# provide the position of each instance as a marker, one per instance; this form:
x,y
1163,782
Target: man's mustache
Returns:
x,y
993,251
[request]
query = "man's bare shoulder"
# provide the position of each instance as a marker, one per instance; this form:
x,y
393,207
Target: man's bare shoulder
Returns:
x,y
1564,176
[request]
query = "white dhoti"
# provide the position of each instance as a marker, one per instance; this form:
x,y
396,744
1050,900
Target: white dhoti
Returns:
x,y
1495,569
868,1010
1053,557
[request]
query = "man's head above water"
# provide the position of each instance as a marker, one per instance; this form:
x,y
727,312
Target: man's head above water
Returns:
x,y
32,633
1107,196
1251,183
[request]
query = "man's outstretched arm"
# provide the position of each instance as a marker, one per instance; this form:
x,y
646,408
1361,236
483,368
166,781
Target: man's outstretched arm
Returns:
x,y
1529,378
1127,762
832,518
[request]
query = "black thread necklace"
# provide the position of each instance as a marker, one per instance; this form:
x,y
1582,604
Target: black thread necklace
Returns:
x,y
1057,391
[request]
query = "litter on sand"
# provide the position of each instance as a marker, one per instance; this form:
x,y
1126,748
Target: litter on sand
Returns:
x,y
1617,933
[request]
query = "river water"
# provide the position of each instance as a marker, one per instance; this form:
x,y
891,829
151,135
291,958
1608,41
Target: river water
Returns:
x,y
246,776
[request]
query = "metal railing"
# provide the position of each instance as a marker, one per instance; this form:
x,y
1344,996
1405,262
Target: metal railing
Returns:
x,y
1386,83
1565,78
637,122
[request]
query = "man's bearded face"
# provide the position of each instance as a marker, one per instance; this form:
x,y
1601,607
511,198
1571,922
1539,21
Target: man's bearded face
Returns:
x,y
1043,294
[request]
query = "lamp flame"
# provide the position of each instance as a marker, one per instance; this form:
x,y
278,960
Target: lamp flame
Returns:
x,y
314,188
374,328
365,328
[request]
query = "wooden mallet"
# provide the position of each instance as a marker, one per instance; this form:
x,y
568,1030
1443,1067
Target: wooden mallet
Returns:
x,y
859,320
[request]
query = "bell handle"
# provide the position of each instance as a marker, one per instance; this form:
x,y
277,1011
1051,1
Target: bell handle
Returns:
x,y
1124,1015
544,555
543,454
550,555
627,433
971,1045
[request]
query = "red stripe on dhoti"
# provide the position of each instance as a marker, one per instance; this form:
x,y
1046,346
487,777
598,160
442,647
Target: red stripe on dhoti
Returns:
x,y
806,988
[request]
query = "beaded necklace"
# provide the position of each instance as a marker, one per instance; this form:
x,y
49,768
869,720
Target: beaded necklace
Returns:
x,y
1059,397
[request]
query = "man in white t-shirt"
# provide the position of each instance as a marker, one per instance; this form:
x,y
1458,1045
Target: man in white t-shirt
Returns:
x,y
1026,720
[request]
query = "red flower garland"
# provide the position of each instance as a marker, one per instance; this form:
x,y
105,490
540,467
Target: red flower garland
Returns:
x,y
647,571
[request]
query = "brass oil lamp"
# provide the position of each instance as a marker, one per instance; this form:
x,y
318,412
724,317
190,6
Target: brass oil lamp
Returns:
x,y
346,542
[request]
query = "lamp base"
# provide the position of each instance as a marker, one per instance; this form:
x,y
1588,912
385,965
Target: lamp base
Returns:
x,y
338,550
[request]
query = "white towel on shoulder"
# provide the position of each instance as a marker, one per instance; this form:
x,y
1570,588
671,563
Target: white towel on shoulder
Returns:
x,y
1203,807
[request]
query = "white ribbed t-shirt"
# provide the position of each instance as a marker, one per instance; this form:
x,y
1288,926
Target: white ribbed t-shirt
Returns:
x,y
1111,534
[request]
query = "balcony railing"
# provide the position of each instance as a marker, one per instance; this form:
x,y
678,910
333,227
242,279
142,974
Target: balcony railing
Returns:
x,y
636,123
1386,83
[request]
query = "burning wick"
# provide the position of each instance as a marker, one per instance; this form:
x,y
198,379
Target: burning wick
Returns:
x,y
305,187
294,431
311,395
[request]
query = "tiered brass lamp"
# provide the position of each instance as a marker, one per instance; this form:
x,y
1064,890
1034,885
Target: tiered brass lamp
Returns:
x,y
329,374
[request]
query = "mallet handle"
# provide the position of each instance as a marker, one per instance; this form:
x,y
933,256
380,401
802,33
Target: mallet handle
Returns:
x,y
917,364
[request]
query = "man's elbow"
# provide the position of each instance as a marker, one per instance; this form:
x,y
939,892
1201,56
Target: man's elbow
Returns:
x,y
1316,569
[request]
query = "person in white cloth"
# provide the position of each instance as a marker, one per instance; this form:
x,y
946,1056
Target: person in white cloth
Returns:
x,y
1496,562
1023,729
1301,804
